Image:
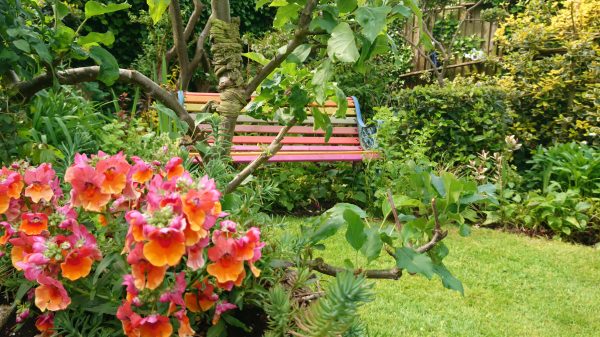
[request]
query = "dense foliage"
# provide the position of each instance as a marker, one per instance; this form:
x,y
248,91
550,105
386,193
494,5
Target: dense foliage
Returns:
x,y
550,65
450,123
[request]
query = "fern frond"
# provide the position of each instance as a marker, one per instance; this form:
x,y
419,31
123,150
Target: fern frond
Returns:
x,y
337,311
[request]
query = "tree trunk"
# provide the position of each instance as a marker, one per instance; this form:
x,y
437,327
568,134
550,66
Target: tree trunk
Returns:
x,y
226,48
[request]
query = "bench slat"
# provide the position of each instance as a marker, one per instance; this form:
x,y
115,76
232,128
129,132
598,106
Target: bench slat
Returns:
x,y
309,120
329,110
205,97
306,157
294,130
292,148
295,140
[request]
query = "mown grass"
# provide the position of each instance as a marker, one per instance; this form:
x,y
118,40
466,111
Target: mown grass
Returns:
x,y
514,286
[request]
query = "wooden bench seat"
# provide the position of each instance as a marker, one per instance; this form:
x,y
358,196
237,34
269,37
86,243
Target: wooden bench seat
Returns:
x,y
302,142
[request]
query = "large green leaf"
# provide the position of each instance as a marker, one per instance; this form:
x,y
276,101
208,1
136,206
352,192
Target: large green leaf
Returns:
x,y
373,245
257,57
448,280
355,234
300,54
157,8
413,262
321,79
109,68
346,6
94,8
341,44
94,39
372,20
286,14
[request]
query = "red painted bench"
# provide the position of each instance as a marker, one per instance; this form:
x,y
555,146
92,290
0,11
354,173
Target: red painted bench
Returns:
x,y
302,143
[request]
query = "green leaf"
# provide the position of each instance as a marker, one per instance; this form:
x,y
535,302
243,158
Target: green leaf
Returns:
x,y
300,54
464,230
413,262
217,330
402,10
60,10
42,50
94,8
342,102
372,247
260,3
327,21
64,37
94,39
449,281
157,8
355,234
321,78
109,68
346,6
341,44
372,20
424,38
286,14
256,57
22,45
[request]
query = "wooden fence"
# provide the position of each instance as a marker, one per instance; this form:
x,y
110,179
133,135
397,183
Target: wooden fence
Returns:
x,y
472,25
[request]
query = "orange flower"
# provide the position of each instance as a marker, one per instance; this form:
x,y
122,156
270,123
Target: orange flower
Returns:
x,y
78,264
226,269
33,223
185,329
202,298
141,171
145,275
166,246
155,326
39,182
193,237
136,221
102,220
45,324
17,254
115,169
86,190
51,294
8,232
174,168
4,201
12,181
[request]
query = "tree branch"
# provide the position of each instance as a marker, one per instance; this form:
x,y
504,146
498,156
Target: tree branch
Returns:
x,y
189,27
199,53
90,74
390,274
297,40
438,234
180,44
263,157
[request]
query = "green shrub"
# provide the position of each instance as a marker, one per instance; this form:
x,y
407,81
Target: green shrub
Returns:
x,y
450,123
571,166
550,67
309,187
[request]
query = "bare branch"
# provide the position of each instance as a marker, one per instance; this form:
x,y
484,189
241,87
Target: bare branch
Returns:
x,y
199,53
90,74
180,43
263,157
438,234
390,274
189,27
297,40
394,211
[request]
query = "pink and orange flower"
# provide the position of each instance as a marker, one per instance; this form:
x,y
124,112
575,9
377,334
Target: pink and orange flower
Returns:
x,y
39,183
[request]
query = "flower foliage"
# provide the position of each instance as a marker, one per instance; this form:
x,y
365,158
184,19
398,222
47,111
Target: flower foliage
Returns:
x,y
173,225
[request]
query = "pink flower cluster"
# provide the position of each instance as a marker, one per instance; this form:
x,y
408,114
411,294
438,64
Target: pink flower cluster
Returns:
x,y
169,218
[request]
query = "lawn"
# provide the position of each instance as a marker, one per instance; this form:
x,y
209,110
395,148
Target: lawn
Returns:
x,y
514,286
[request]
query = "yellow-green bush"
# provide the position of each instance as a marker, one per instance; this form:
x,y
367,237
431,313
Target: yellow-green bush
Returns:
x,y
552,70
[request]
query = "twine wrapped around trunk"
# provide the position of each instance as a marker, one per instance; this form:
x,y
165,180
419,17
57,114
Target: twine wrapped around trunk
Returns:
x,y
226,49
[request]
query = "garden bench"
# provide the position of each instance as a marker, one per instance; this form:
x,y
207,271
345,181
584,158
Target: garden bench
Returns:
x,y
303,143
